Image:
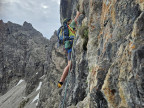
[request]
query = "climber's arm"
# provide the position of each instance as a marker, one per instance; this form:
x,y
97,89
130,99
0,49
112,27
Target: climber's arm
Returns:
x,y
77,15
74,22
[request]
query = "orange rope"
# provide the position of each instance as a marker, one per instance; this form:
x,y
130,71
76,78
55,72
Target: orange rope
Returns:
x,y
71,29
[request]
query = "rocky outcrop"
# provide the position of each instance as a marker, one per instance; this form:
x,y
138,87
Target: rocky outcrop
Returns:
x,y
109,73
66,8
23,52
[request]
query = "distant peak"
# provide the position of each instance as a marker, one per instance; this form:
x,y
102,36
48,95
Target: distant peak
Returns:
x,y
1,21
27,25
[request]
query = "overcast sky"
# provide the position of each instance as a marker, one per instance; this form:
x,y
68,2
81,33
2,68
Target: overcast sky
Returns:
x,y
44,15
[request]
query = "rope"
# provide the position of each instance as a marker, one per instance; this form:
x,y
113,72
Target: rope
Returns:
x,y
71,29
68,76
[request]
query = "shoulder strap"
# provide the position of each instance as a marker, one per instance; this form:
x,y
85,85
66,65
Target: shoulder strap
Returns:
x,y
71,29
59,30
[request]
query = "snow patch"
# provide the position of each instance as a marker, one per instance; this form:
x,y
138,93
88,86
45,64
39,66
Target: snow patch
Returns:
x,y
23,97
36,73
36,99
39,86
42,77
19,82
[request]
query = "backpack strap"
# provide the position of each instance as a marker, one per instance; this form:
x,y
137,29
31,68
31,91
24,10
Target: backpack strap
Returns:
x,y
62,34
71,29
63,37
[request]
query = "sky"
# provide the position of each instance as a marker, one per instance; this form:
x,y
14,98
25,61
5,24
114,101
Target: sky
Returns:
x,y
44,15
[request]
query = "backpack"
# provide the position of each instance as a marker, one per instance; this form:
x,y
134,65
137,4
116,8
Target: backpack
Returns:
x,y
63,33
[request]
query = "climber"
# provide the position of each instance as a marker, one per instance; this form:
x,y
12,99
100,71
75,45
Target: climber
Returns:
x,y
71,28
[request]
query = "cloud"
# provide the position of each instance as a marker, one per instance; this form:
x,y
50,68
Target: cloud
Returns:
x,y
8,1
44,6
42,14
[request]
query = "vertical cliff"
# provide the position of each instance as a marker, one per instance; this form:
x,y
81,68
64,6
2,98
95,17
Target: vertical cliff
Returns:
x,y
109,72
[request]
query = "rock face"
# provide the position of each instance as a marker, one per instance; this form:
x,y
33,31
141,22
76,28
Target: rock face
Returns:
x,y
66,8
108,65
109,74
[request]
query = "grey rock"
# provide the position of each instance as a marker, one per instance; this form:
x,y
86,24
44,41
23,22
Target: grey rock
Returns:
x,y
109,74
23,54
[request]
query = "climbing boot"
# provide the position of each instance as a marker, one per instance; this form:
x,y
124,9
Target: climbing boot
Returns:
x,y
60,84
